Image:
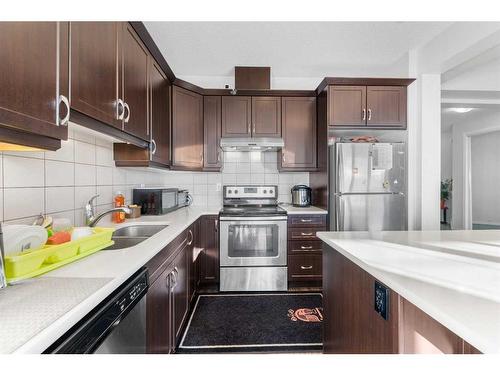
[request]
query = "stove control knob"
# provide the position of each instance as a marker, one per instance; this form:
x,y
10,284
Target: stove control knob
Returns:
x,y
270,192
229,191
265,191
236,192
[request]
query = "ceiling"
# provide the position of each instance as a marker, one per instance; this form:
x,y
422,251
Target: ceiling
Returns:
x,y
292,49
473,84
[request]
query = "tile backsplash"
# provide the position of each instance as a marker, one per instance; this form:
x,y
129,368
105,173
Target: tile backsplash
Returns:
x,y
60,182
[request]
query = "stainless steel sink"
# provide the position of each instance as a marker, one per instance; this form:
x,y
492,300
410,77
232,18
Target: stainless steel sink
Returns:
x,y
138,230
133,235
124,242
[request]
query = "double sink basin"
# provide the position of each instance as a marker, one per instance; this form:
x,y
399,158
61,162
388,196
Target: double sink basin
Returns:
x,y
134,234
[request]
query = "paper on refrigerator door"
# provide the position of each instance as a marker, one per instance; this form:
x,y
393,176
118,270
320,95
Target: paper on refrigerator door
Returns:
x,y
382,156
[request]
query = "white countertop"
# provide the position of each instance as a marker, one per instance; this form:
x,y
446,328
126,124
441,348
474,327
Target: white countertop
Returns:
x,y
104,271
311,210
453,276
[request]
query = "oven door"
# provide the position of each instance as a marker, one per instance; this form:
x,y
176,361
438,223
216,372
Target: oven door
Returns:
x,y
253,241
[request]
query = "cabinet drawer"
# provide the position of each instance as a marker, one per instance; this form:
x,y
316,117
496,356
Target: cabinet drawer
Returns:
x,y
307,221
299,246
305,233
305,267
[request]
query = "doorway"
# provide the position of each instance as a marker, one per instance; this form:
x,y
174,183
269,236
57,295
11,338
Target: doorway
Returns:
x,y
485,180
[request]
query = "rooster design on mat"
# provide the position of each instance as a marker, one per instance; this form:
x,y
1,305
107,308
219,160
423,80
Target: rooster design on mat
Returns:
x,y
306,315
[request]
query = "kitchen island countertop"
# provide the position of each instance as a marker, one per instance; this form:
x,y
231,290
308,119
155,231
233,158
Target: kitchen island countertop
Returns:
x,y
452,276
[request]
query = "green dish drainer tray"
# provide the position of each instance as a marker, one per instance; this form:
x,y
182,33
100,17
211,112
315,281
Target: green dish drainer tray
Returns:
x,y
37,262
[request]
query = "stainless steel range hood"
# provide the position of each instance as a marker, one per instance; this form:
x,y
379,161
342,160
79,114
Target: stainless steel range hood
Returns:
x,y
251,144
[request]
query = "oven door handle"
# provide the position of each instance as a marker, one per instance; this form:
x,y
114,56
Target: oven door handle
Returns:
x,y
252,218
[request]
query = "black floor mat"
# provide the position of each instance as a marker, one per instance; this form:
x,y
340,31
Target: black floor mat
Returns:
x,y
254,323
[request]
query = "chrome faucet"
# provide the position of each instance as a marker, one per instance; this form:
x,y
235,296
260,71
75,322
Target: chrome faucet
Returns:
x,y
91,219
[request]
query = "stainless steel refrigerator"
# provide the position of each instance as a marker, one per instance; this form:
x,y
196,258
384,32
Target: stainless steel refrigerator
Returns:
x,y
367,186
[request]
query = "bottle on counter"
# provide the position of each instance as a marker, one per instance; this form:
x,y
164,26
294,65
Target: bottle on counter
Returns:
x,y
119,217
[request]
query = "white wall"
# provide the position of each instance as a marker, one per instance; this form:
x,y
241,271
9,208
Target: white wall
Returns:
x,y
446,155
59,183
486,122
485,178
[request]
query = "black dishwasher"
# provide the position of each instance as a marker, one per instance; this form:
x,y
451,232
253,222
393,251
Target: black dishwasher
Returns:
x,y
116,325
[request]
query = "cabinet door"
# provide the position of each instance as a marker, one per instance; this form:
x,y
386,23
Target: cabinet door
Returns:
x,y
236,116
299,134
266,116
192,266
386,106
212,132
30,76
159,314
187,129
160,115
180,290
94,70
209,241
347,105
135,60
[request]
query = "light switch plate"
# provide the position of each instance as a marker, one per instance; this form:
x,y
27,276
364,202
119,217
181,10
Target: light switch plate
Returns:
x,y
381,300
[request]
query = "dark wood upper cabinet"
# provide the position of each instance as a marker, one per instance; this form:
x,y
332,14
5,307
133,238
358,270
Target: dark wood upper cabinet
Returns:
x,y
135,61
187,129
236,116
212,159
360,106
266,116
347,105
209,258
32,80
386,106
94,70
159,99
299,134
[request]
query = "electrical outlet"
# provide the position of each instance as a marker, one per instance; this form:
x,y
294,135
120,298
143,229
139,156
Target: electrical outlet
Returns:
x,y
218,187
381,300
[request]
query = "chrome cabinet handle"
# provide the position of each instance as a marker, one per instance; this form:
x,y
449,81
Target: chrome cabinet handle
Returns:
x,y
174,280
216,225
128,112
306,267
120,104
369,114
190,234
218,156
305,220
306,234
64,100
364,114
153,147
254,127
283,157
306,247
249,128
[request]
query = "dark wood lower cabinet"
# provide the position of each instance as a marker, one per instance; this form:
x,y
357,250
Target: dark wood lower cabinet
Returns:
x,y
304,251
180,290
352,326
167,298
423,335
158,321
209,258
174,279
304,267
